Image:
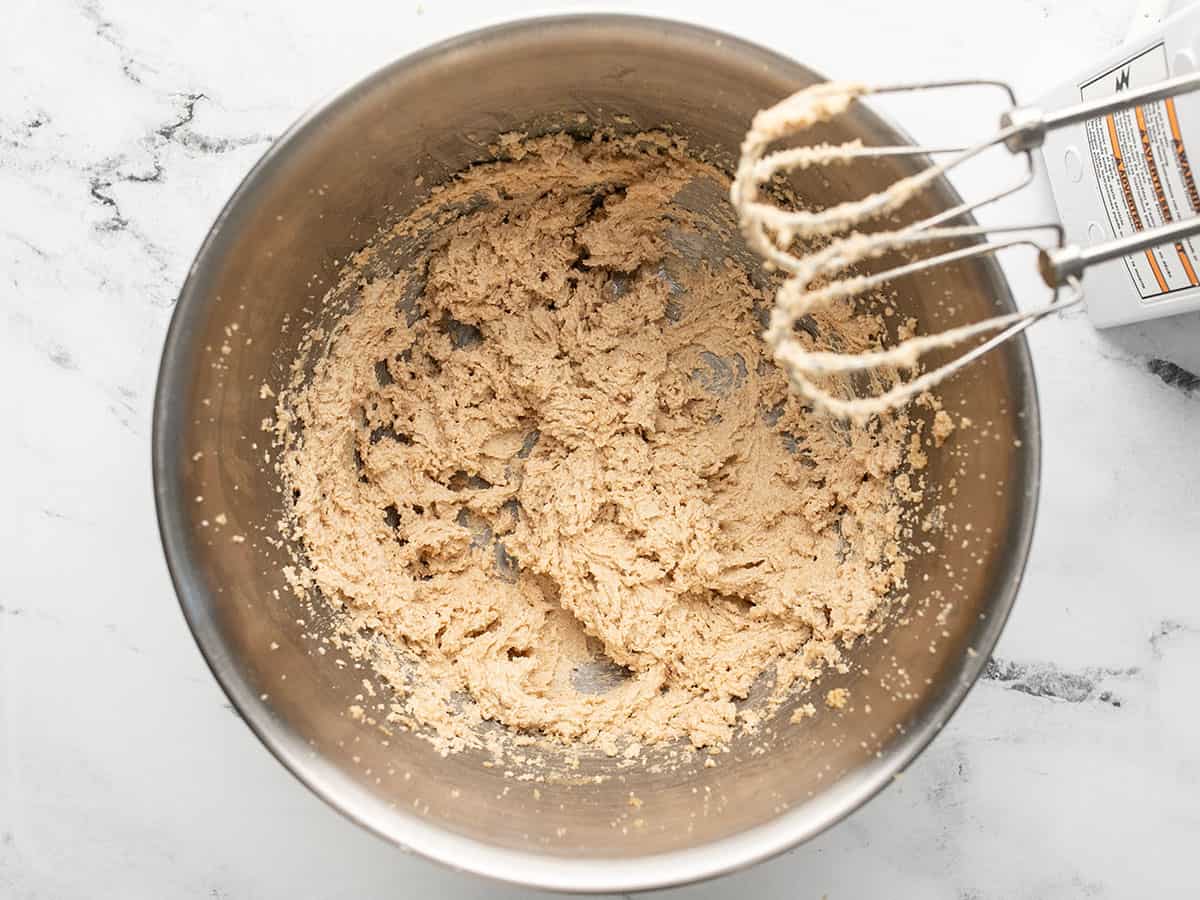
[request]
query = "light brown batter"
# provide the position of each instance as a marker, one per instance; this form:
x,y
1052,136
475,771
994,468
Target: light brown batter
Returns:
x,y
554,466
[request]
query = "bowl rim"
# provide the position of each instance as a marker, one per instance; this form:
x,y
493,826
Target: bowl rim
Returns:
x,y
408,831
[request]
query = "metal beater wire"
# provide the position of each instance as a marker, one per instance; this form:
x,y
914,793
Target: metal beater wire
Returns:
x,y
773,231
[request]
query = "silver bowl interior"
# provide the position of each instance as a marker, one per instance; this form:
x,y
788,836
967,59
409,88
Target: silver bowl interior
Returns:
x,y
321,192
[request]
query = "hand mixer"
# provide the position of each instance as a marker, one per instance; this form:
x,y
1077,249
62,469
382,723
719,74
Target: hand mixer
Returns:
x,y
819,277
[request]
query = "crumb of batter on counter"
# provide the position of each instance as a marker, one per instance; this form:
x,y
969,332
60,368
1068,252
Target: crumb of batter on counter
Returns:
x,y
555,449
837,698
221,519
943,427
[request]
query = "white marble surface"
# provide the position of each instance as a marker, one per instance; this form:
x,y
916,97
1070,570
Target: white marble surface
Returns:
x,y
1074,770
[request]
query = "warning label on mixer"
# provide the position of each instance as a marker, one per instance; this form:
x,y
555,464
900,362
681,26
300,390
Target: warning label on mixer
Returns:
x,y
1143,174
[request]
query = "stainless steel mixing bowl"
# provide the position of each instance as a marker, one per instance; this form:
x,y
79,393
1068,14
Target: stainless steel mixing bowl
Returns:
x,y
322,190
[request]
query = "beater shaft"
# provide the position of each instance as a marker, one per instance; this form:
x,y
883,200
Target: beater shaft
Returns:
x,y
1058,266
1029,125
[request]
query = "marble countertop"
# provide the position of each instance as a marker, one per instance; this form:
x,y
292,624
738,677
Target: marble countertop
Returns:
x,y
1072,770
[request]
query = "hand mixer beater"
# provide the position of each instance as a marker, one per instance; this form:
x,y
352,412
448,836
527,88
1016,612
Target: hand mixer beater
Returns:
x,y
819,277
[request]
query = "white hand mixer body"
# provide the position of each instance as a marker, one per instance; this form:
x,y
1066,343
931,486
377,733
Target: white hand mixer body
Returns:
x,y
1119,174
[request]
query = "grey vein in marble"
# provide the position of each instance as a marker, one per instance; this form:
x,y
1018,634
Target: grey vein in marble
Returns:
x,y
108,32
1050,681
1174,376
1167,630
103,176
